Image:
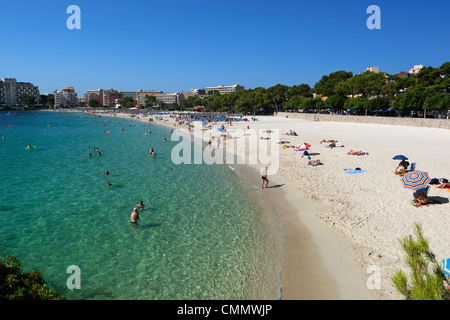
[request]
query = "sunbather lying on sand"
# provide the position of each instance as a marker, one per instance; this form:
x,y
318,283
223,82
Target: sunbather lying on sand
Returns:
x,y
401,170
314,162
283,142
420,197
331,141
357,153
443,184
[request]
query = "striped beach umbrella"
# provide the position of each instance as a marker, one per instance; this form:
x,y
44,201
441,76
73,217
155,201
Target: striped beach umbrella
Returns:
x,y
415,180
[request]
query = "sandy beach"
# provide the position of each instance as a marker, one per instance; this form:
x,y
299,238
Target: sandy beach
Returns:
x,y
342,230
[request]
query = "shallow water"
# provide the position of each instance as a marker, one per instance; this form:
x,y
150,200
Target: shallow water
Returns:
x,y
201,237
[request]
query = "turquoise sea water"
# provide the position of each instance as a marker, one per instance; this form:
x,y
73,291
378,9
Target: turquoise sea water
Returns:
x,y
201,237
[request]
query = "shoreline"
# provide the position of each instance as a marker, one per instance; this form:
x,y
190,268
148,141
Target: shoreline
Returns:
x,y
319,263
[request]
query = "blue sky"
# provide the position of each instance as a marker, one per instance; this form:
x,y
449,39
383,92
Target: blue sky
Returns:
x,y
177,45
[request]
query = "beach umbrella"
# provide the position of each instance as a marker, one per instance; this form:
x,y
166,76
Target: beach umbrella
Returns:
x,y
415,180
303,146
399,157
446,266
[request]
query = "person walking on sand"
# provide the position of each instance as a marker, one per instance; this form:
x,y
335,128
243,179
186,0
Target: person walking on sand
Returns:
x,y
264,178
134,216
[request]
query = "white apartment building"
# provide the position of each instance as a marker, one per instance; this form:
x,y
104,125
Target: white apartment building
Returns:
x,y
416,69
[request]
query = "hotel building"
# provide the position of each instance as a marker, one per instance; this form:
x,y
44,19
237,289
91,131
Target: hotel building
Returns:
x,y
10,90
225,89
66,96
167,98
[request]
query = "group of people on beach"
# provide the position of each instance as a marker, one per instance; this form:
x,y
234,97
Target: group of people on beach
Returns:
x,y
420,196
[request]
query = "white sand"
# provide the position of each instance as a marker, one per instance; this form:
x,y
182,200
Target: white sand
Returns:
x,y
358,219
372,209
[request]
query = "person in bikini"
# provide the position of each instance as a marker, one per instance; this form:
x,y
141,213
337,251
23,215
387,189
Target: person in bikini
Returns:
x,y
443,184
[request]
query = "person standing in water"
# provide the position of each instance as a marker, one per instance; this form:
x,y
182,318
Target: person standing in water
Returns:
x,y
134,216
264,178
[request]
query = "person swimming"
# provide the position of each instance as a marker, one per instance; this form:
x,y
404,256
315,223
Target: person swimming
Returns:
x,y
141,204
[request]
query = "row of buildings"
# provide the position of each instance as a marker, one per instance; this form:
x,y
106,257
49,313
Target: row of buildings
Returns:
x,y
11,89
112,98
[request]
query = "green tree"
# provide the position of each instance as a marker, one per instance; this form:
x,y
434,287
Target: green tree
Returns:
x,y
277,94
378,103
161,104
18,285
327,84
191,102
93,103
358,103
335,102
302,90
27,99
410,101
427,280
439,102
150,101
50,101
126,102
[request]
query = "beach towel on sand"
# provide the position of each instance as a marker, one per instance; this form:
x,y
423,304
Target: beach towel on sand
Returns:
x,y
354,171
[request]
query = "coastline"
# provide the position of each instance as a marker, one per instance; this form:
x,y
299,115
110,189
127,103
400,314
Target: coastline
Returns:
x,y
319,263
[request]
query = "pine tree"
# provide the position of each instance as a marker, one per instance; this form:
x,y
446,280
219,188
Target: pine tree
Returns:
x,y
427,280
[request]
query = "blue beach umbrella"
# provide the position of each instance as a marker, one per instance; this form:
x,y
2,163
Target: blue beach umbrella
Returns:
x,y
415,180
446,266
399,157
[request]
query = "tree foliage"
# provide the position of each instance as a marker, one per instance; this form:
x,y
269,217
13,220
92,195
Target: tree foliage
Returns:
x,y
27,99
368,91
18,285
427,280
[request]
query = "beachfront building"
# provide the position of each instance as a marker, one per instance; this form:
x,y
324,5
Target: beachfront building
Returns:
x,y
10,90
225,89
108,97
104,97
167,98
93,95
66,96
135,94
416,69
